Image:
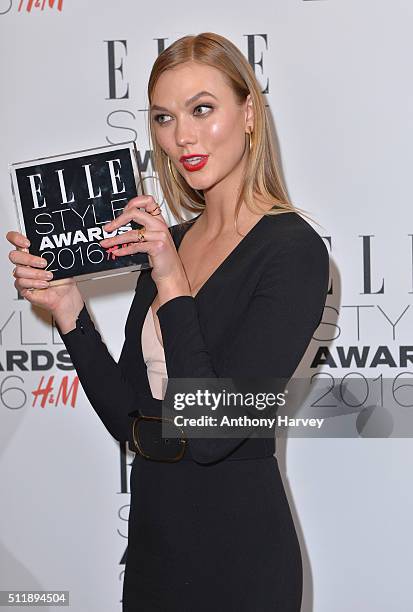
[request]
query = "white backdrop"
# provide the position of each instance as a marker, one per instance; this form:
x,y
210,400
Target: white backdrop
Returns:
x,y
339,87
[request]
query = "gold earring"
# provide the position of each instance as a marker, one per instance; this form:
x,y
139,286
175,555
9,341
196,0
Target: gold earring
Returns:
x,y
250,141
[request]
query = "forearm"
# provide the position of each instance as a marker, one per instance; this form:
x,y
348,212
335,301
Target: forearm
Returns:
x,y
103,380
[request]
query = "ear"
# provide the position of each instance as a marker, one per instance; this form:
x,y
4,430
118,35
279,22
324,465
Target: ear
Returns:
x,y
249,114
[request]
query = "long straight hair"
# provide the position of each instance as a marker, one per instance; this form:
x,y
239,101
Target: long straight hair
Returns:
x,y
262,179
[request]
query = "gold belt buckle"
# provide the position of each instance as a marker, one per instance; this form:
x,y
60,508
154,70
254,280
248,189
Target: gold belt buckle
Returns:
x,y
136,440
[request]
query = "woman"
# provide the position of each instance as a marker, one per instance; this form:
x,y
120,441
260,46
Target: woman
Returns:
x,y
236,292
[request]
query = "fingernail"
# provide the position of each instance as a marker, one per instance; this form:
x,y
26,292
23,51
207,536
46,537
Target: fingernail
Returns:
x,y
26,243
44,284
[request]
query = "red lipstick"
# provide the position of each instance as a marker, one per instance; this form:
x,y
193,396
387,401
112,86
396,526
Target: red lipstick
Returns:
x,y
193,162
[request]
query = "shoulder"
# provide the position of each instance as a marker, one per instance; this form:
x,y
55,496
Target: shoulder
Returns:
x,y
289,234
294,253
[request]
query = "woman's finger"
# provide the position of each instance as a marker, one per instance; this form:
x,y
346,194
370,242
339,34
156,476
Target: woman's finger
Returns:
x,y
28,272
30,283
132,236
17,239
24,258
149,204
151,248
133,213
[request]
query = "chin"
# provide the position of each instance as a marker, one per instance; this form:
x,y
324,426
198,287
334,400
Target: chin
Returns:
x,y
199,185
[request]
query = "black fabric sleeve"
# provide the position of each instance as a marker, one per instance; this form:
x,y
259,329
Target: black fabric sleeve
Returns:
x,y
286,308
103,380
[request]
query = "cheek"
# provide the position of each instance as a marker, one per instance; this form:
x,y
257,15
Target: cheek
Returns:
x,y
220,130
226,136
164,140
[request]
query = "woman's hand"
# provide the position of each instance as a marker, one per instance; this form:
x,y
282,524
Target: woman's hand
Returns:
x,y
167,270
64,300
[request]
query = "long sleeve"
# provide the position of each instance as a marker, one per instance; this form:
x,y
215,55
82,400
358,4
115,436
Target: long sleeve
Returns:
x,y
283,314
104,381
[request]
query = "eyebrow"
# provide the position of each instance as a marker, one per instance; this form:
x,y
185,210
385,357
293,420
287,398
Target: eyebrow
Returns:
x,y
188,102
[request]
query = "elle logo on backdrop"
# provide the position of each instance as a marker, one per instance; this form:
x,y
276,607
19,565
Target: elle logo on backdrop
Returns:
x,y
125,123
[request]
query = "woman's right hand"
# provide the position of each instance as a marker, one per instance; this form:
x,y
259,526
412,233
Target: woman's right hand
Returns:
x,y
64,300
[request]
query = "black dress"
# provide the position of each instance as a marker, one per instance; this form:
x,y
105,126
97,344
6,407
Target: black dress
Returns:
x,y
215,532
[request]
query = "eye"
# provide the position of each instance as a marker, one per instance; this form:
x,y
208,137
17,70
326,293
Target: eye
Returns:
x,y
158,118
207,106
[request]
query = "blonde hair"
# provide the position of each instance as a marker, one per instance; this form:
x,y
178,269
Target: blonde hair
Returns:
x,y
262,179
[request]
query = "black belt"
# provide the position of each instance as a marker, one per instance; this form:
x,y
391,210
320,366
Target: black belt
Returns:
x,y
147,440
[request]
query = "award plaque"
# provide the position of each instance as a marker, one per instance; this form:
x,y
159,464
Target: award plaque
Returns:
x,y
63,201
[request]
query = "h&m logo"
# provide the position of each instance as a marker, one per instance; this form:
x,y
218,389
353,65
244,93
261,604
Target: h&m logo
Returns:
x,y
28,5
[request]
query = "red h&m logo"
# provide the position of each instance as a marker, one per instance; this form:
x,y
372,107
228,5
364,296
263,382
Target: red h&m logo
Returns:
x,y
40,4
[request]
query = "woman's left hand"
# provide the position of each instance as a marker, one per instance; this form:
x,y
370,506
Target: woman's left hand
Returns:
x,y
167,268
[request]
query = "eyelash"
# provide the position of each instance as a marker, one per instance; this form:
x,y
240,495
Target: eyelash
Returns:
x,y
156,117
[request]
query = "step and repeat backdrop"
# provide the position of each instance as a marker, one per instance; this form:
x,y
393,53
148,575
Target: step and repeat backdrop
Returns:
x,y
336,77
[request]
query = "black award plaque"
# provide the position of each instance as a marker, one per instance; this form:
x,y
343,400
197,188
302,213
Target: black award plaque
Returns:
x,y
63,201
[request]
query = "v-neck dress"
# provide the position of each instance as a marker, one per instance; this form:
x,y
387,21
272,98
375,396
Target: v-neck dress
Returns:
x,y
214,533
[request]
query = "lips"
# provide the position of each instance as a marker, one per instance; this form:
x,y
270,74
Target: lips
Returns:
x,y
193,163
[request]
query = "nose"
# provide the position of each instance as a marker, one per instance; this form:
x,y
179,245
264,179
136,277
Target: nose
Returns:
x,y
185,132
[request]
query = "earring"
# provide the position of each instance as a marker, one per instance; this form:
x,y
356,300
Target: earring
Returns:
x,y
250,140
